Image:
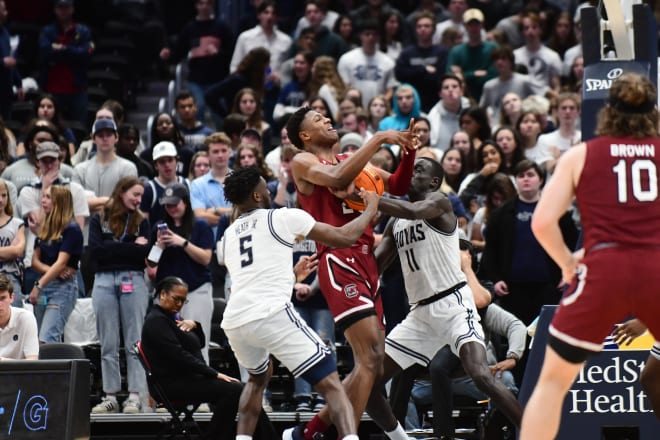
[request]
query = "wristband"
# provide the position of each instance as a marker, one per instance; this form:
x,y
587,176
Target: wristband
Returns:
x,y
37,285
514,356
185,244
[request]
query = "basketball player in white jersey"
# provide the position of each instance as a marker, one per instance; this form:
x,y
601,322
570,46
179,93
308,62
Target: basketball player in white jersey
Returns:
x,y
424,231
259,319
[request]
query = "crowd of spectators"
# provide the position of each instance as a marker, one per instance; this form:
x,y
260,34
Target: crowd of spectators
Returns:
x,y
494,88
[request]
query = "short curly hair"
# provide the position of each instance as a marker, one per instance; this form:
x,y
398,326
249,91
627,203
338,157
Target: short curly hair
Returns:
x,y
294,125
240,184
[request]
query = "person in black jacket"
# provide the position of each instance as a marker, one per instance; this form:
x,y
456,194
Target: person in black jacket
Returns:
x,y
173,347
524,275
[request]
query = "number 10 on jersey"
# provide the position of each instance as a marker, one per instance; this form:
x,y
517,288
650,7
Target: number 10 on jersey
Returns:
x,y
637,167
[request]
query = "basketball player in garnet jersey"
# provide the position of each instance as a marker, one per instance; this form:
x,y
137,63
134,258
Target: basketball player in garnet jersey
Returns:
x,y
348,277
615,180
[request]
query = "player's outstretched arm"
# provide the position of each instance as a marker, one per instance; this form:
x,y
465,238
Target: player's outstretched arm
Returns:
x,y
307,168
349,233
555,201
434,205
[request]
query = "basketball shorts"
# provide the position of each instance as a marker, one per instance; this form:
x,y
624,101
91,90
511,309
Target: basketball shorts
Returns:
x,y
349,282
286,336
452,320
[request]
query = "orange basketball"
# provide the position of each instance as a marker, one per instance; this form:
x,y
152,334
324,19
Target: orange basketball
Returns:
x,y
370,180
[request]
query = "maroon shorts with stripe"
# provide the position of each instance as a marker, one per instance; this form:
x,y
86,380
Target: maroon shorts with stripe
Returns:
x,y
349,283
613,284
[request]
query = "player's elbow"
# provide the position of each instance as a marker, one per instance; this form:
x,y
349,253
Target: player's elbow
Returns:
x,y
541,224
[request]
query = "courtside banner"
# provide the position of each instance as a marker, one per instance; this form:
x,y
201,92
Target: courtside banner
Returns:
x,y
606,401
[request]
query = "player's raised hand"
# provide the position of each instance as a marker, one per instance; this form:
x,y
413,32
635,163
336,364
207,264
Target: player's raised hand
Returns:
x,y
406,139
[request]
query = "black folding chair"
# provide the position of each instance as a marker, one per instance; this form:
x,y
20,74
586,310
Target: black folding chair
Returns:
x,y
177,426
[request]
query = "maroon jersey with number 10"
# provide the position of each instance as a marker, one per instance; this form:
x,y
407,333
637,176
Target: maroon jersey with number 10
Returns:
x,y
618,192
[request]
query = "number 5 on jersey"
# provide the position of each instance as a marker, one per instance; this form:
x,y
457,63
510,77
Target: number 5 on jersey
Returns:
x,y
246,250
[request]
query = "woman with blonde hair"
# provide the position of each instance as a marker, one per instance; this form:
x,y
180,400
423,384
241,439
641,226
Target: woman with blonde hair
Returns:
x,y
12,249
118,245
56,255
326,82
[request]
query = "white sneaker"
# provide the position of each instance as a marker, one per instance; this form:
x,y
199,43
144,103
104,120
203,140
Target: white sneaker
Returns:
x,y
132,405
203,408
106,406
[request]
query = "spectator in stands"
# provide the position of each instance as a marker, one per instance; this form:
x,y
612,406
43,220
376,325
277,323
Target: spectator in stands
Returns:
x,y
233,125
370,11
320,105
406,105
456,9
206,193
193,131
65,49
554,144
199,165
510,109
304,43
49,163
498,191
543,64
49,167
329,19
119,244
529,128
23,171
453,164
392,29
18,327
326,82
509,141
173,346
295,92
9,75
490,160
110,109
444,114
344,28
366,68
165,158
420,63
249,155
248,104
378,109
12,249
507,81
127,142
251,72
7,145
474,121
562,36
207,44
472,60
524,275
57,251
101,173
327,42
45,108
462,142
187,246
265,35
164,129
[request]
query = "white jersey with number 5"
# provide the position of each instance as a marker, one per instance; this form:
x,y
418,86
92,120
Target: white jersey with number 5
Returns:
x,y
257,250
430,258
